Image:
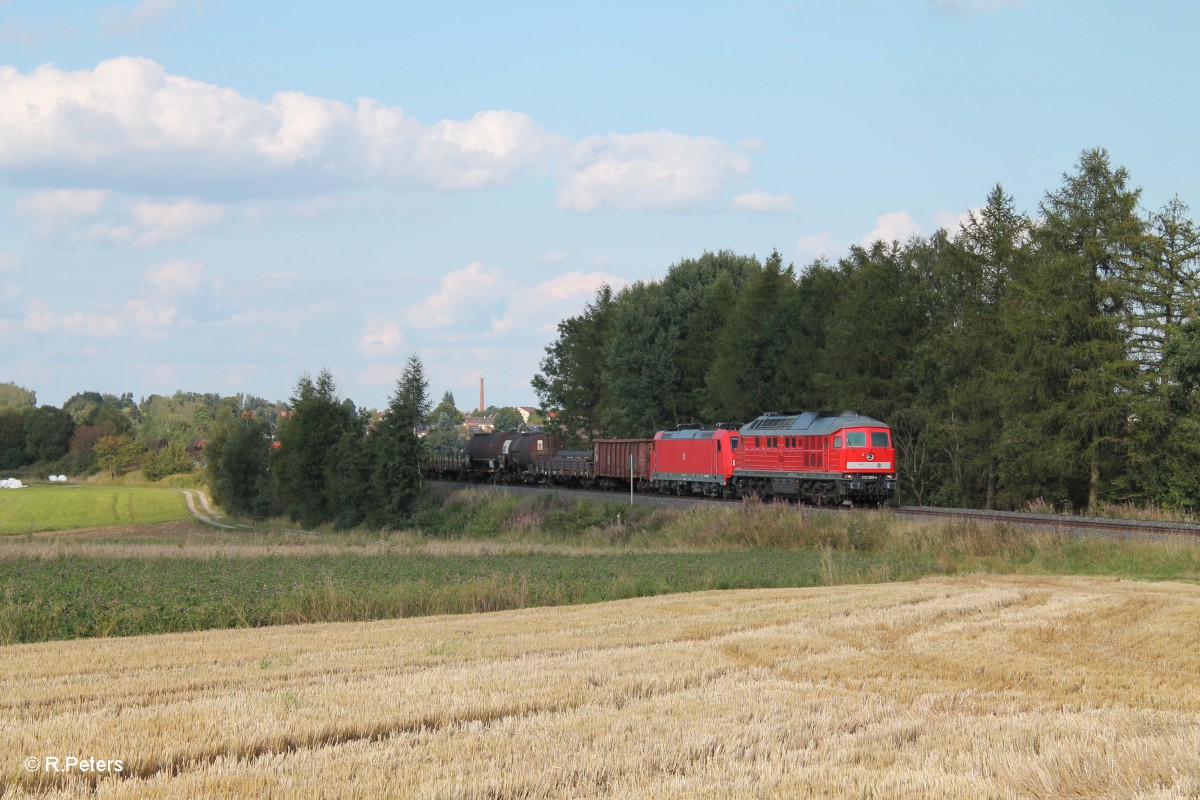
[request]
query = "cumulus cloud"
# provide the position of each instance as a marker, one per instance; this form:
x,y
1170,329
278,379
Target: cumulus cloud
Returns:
x,y
460,291
481,301
39,317
761,201
92,215
899,226
58,211
129,122
130,125
173,222
820,245
896,226
381,338
174,277
151,318
952,221
658,171
541,307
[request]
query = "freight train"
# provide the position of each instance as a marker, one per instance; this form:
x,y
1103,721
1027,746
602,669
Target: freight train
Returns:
x,y
814,457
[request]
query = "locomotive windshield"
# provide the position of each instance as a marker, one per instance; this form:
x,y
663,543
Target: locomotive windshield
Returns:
x,y
879,439
856,438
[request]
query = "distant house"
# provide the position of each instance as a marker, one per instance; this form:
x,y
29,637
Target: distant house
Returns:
x,y
480,424
526,411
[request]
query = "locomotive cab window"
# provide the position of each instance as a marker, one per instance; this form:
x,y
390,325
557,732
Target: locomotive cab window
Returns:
x,y
733,443
837,442
879,439
856,439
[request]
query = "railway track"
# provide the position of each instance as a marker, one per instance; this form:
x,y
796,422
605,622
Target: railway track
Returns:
x,y
1065,523
1121,528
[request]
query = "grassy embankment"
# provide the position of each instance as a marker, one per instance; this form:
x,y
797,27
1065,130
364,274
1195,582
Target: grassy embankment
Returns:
x,y
477,550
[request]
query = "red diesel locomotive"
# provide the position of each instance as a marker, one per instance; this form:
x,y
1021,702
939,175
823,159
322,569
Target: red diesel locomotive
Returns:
x,y
810,456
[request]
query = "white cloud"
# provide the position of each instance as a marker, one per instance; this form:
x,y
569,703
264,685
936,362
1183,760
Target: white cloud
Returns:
x,y
566,295
952,221
382,338
76,203
173,222
91,325
896,226
759,200
472,287
658,171
130,124
41,318
177,276
91,215
820,245
9,262
151,318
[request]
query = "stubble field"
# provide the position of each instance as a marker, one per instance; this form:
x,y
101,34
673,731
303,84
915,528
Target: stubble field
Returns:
x,y
946,687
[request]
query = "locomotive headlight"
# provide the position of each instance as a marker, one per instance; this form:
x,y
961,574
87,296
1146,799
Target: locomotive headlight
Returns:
x,y
848,476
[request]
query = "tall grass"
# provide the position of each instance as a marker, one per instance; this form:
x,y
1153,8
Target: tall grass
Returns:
x,y
479,550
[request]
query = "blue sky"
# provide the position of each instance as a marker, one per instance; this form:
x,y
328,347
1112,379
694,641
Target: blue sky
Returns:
x,y
220,196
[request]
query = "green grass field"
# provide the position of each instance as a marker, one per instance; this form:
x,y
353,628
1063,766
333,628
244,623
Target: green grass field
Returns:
x,y
54,508
475,550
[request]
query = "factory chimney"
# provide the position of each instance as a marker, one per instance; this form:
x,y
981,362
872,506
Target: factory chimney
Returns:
x,y
481,405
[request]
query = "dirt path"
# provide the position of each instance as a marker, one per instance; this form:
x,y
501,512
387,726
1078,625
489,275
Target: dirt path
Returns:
x,y
208,516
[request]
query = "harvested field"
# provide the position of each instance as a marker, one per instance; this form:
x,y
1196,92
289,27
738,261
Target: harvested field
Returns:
x,y
969,687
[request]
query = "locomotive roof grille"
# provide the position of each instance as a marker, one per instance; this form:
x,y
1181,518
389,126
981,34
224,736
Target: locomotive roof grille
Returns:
x,y
810,423
689,434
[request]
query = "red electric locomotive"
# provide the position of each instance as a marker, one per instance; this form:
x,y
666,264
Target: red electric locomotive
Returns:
x,y
816,457
694,462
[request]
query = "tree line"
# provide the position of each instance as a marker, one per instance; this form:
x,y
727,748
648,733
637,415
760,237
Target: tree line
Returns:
x,y
1054,356
94,431
327,461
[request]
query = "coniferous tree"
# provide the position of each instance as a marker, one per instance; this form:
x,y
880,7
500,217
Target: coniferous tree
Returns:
x,y
1071,323
396,450
302,465
238,457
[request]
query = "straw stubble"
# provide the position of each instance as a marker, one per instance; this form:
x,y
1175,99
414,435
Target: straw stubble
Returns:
x,y
979,687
